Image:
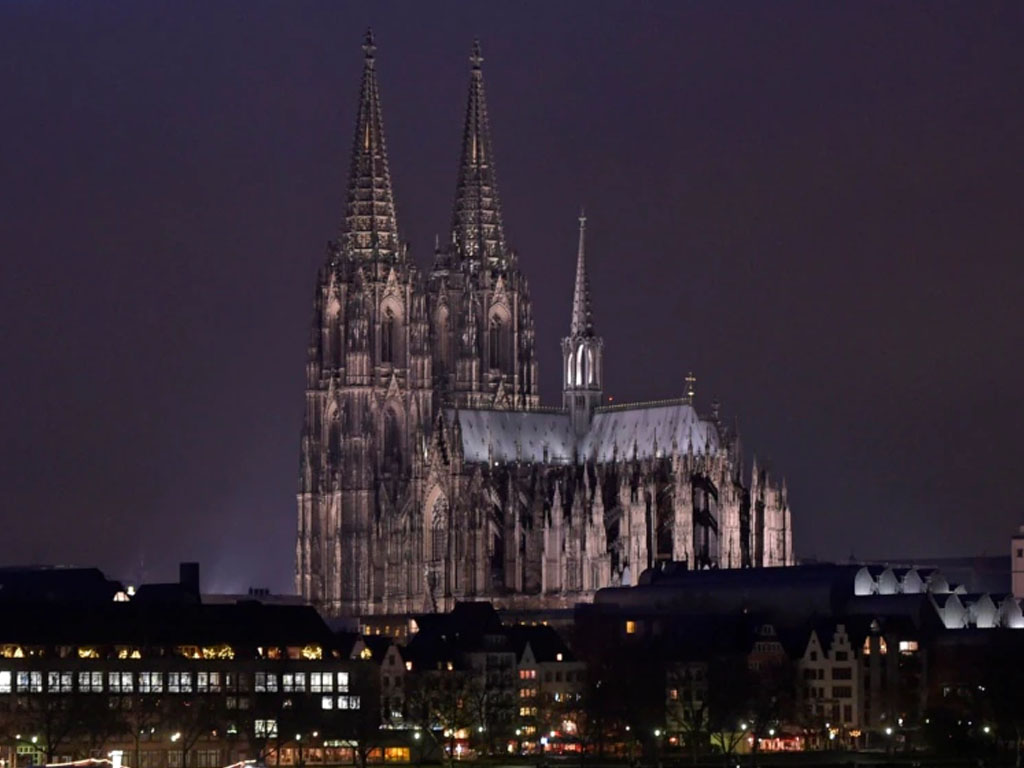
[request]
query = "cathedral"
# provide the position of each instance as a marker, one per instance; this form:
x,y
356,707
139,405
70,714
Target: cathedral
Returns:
x,y
429,471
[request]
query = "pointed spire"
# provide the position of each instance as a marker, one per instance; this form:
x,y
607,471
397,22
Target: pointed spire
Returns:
x,y
476,224
582,319
370,228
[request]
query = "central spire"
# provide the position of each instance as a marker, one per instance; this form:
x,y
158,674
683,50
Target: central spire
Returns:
x,y
370,229
476,227
582,319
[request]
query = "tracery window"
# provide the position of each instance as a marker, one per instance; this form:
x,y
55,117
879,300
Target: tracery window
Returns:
x,y
439,530
443,341
392,437
495,343
387,341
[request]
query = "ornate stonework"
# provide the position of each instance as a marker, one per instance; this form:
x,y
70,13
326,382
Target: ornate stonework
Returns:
x,y
428,470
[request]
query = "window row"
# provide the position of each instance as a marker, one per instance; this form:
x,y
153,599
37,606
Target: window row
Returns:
x,y
296,682
172,682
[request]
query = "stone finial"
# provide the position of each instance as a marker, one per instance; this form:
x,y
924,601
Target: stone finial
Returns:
x,y
369,47
691,392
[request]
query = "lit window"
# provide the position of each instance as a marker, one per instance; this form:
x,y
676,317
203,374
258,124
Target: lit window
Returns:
x,y
321,682
60,682
151,682
266,729
179,682
342,682
326,702
908,646
266,682
90,682
630,627
5,681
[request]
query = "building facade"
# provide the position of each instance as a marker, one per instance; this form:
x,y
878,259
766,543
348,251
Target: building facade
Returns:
x,y
429,472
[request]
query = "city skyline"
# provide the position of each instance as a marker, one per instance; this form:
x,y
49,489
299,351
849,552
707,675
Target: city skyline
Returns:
x,y
165,427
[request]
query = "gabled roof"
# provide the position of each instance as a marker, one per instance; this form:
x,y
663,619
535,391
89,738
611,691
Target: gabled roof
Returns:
x,y
544,642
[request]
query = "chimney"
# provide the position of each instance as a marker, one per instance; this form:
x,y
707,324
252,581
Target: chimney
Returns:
x,y
188,577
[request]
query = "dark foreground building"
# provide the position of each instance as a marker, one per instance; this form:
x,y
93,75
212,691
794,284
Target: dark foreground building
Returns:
x,y
175,683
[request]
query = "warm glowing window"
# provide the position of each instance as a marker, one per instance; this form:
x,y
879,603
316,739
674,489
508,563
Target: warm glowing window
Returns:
x,y
908,646
88,653
222,651
630,627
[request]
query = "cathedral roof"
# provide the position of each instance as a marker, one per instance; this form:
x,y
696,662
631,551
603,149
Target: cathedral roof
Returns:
x,y
548,436
653,430
370,227
538,436
476,224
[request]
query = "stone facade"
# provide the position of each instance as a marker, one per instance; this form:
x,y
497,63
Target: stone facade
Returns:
x,y
428,470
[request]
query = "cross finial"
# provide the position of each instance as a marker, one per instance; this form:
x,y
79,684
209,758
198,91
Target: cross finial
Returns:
x,y
369,47
691,380
475,58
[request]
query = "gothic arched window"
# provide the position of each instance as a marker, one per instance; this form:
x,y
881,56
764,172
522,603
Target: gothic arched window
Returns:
x,y
443,340
439,530
579,366
495,343
392,437
387,340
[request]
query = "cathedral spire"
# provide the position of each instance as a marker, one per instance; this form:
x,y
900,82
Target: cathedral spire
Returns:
x,y
582,319
476,224
369,229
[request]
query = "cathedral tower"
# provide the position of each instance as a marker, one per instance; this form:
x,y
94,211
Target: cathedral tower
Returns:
x,y
582,351
483,350
368,382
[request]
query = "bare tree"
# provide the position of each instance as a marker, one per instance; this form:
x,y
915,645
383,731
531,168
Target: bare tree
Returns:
x,y
441,702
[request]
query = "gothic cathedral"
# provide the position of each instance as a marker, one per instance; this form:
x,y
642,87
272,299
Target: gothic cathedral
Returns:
x,y
429,472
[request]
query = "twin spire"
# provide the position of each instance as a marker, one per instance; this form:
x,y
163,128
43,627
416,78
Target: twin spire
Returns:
x,y
477,230
370,228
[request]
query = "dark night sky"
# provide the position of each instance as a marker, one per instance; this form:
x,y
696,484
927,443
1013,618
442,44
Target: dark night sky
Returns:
x,y
817,207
